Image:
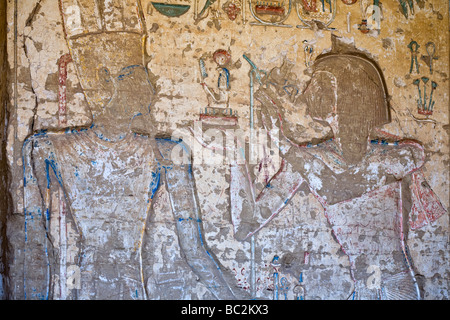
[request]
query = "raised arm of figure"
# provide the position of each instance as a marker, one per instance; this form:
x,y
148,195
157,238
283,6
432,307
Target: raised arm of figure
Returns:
x,y
181,187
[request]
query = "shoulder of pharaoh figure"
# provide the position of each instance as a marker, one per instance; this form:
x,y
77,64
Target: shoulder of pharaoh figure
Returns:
x,y
42,147
48,140
399,158
314,157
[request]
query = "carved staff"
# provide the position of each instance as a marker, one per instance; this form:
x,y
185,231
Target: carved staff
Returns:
x,y
253,72
62,66
62,122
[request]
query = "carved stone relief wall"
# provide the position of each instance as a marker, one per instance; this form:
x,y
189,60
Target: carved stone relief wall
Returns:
x,y
226,150
3,164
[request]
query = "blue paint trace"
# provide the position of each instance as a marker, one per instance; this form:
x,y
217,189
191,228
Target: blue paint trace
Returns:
x,y
155,183
227,77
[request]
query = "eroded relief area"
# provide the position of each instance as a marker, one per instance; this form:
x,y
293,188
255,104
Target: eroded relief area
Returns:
x,y
244,150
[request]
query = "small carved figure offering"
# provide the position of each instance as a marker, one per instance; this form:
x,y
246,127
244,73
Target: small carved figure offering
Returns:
x,y
218,110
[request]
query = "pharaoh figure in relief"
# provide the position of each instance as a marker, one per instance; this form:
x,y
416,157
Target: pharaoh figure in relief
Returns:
x,y
369,183
108,174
